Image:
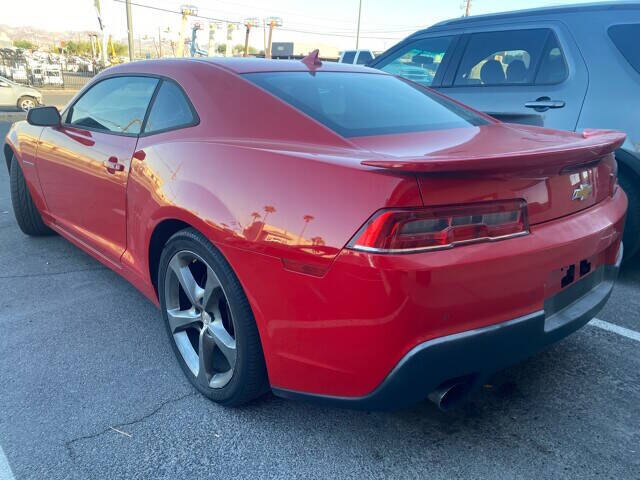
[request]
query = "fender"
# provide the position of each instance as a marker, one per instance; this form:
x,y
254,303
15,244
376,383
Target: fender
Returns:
x,y
22,141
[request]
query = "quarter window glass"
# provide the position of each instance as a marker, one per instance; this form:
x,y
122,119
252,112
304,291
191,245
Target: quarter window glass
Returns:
x,y
510,57
363,58
348,57
170,109
115,105
627,40
553,68
419,61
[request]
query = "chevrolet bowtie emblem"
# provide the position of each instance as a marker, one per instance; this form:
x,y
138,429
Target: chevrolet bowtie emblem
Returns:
x,y
583,192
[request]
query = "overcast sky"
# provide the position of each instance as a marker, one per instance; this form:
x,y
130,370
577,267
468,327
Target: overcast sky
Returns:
x,y
384,22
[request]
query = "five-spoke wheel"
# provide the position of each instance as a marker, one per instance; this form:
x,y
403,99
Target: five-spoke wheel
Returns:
x,y
200,319
209,320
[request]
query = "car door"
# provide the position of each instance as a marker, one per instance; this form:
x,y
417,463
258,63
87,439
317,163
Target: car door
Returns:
x,y
7,95
83,164
531,73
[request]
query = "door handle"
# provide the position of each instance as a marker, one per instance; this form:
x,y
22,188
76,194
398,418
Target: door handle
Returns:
x,y
543,104
112,165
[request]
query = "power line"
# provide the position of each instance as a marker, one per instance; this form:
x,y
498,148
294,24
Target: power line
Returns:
x,y
235,22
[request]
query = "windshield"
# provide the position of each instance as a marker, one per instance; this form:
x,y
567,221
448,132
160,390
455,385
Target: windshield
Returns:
x,y
359,104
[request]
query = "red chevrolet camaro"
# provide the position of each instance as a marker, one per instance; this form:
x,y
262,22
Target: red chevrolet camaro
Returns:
x,y
325,231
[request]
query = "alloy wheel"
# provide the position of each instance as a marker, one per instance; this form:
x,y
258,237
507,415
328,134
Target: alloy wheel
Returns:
x,y
27,104
200,319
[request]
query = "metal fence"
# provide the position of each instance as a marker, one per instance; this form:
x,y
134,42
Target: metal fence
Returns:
x,y
62,73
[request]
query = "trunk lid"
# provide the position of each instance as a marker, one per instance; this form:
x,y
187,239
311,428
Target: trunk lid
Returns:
x,y
556,173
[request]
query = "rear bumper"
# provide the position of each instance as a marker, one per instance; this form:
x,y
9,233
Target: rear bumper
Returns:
x,y
480,352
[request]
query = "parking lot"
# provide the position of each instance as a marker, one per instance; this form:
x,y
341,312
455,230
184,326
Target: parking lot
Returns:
x,y
90,389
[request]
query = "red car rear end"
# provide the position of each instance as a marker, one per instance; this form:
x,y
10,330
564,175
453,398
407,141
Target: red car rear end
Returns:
x,y
386,243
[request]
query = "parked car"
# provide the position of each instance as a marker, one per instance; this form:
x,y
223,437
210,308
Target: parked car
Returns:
x,y
364,250
13,94
566,67
53,77
356,57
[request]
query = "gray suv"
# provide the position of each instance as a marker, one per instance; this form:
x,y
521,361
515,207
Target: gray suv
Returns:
x,y
568,68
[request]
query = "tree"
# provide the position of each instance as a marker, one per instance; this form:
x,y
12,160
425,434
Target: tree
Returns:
x,y
26,44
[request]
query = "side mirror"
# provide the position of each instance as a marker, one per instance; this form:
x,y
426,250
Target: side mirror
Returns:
x,y
44,116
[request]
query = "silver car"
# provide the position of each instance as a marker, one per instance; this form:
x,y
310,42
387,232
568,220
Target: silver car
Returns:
x,y
568,68
15,95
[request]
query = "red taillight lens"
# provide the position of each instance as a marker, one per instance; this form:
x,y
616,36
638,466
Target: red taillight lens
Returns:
x,y
398,231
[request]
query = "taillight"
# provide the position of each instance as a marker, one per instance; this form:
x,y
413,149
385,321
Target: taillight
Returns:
x,y
431,228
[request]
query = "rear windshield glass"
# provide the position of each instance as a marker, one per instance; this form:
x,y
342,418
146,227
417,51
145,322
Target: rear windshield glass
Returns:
x,y
626,38
359,104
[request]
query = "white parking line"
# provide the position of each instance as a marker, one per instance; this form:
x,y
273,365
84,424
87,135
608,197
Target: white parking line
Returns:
x,y
5,469
610,327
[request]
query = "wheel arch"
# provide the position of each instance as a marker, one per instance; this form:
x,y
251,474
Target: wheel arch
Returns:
x,y
8,153
162,232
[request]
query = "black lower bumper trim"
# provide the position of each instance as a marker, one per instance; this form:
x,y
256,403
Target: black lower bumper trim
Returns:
x,y
476,354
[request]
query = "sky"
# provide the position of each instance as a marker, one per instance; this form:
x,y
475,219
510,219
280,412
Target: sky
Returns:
x,y
334,22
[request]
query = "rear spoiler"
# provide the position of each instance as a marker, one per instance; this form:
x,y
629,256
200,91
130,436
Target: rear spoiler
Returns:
x,y
590,146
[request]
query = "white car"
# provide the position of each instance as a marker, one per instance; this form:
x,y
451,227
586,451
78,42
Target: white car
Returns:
x,y
356,57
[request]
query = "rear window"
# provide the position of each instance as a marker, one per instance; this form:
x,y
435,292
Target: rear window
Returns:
x,y
359,104
626,38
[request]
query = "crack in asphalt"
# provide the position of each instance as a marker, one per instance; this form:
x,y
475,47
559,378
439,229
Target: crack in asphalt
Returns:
x,y
52,274
69,443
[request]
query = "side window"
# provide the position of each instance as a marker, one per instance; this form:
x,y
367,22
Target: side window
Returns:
x,y
419,61
626,38
348,57
364,58
511,57
170,109
114,105
553,67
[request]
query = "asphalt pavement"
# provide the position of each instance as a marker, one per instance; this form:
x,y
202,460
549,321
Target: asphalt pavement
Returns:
x,y
89,388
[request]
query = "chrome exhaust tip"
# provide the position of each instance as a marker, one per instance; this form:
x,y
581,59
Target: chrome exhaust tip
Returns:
x,y
451,393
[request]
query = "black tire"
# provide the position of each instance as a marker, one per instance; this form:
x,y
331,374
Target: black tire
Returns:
x,y
26,99
631,237
249,379
25,211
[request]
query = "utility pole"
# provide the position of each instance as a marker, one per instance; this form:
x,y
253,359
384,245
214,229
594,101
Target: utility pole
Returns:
x,y
359,16
213,28
228,48
248,23
185,10
467,6
264,36
159,43
273,23
130,31
103,31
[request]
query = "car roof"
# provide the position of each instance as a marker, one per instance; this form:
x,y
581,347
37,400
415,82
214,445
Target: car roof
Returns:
x,y
578,7
253,65
238,65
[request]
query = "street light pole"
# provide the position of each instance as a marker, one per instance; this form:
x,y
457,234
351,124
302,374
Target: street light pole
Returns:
x,y
358,34
130,30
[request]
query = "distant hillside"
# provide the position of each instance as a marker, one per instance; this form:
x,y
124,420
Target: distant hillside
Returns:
x,y
42,37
